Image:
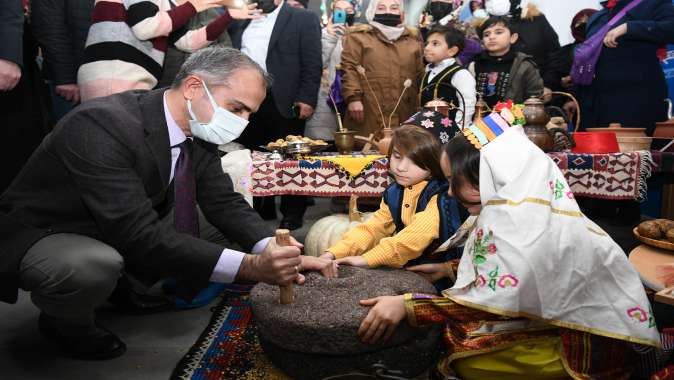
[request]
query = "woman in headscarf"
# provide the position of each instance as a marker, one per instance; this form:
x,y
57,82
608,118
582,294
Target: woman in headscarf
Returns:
x,y
378,58
541,292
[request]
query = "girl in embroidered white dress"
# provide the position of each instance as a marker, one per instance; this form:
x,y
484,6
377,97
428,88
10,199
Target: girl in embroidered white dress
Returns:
x,y
541,291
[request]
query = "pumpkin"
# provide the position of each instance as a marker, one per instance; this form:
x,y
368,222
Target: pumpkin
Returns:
x,y
327,231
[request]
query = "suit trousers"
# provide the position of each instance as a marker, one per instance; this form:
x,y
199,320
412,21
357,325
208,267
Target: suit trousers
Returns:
x,y
267,125
69,275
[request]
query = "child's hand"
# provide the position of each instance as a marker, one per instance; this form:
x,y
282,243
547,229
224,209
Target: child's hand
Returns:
x,y
381,321
431,272
354,261
327,255
327,267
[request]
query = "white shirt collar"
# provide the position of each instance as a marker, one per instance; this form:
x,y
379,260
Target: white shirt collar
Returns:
x,y
445,63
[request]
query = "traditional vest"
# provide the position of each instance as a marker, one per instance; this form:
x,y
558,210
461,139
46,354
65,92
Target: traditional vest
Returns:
x,y
441,88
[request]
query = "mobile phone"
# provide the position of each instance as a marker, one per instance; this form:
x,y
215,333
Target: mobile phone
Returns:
x,y
339,16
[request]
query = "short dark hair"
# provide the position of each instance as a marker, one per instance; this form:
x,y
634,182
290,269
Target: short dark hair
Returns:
x,y
496,20
453,36
464,160
421,146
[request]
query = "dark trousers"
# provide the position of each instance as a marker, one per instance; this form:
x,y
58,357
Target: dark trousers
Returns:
x,y
267,125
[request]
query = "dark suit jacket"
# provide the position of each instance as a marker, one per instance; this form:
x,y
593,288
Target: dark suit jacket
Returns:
x,y
11,30
293,59
104,173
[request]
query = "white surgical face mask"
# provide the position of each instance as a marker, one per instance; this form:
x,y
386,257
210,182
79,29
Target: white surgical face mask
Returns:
x,y
224,126
498,7
480,13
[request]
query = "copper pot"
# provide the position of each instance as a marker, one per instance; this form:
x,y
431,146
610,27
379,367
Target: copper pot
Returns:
x,y
536,121
344,140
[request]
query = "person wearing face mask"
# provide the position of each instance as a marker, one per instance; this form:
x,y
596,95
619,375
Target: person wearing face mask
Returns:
x,y
537,38
285,42
323,122
113,191
390,53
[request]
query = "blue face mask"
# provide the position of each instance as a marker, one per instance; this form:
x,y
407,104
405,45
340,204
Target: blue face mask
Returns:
x,y
224,126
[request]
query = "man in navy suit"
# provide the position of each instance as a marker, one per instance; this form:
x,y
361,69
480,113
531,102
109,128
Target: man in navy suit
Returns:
x,y
286,42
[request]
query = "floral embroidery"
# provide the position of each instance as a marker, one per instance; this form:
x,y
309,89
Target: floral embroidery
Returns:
x,y
638,313
444,137
445,122
492,249
480,281
427,124
508,280
480,248
559,189
493,275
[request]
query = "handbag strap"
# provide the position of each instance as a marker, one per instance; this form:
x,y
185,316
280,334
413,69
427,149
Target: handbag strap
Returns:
x,y
622,12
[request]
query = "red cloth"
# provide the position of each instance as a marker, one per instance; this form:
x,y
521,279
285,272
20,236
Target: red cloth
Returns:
x,y
611,4
595,142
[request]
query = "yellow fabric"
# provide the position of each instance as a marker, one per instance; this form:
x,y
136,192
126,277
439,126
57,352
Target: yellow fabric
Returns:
x,y
353,165
530,361
374,240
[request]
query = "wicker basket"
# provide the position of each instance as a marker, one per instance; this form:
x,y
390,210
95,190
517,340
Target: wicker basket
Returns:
x,y
631,144
664,244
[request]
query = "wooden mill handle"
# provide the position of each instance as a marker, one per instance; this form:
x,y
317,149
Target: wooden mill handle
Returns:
x,y
282,240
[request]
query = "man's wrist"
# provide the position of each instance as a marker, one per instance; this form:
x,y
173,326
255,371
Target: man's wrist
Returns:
x,y
247,271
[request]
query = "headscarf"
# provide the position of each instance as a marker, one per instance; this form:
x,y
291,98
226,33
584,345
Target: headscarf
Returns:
x,y
579,34
391,32
534,254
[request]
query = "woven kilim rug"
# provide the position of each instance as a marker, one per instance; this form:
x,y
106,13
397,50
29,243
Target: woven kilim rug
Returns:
x,y
228,348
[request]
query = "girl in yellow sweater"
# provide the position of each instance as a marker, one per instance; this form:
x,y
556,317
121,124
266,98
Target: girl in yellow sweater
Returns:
x,y
416,215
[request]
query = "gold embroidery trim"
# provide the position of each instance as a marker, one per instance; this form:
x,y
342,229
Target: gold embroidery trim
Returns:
x,y
555,322
508,202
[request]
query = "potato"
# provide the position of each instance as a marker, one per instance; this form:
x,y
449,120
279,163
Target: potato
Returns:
x,y
670,235
650,229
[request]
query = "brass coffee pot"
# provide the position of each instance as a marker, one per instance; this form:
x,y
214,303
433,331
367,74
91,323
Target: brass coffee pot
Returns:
x,y
536,121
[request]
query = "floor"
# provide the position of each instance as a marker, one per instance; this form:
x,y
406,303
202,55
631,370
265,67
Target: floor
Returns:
x,y
155,342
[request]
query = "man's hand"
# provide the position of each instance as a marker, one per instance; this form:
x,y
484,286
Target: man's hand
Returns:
x,y
275,265
10,74
305,110
70,92
327,267
611,39
431,272
249,11
383,318
566,81
547,94
356,111
354,261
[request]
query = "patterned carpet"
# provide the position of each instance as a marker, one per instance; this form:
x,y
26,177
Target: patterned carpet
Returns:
x,y
228,348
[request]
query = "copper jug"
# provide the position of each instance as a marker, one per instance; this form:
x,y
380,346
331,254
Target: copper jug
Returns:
x,y
536,121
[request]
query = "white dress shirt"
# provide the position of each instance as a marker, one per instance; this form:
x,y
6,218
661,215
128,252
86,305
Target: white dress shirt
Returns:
x,y
255,39
464,82
230,260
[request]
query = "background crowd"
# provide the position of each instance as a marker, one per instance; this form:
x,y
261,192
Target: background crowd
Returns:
x,y
378,65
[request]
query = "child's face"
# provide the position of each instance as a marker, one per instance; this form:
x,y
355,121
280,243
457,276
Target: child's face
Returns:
x,y
405,171
469,194
497,39
437,50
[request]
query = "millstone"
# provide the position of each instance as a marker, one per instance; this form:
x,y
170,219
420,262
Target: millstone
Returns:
x,y
316,336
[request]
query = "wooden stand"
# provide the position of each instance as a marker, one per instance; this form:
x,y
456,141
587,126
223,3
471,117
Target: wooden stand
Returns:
x,y
283,239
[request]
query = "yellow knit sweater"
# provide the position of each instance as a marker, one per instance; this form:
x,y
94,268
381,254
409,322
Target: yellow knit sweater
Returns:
x,y
375,239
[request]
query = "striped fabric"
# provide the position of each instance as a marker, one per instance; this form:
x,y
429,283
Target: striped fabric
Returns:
x,y
128,40
486,130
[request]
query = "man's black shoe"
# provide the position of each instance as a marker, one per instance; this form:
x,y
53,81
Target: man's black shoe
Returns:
x,y
131,302
290,223
101,345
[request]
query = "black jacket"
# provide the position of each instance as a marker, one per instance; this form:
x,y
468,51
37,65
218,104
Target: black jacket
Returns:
x,y
538,39
629,86
293,59
61,28
11,30
104,173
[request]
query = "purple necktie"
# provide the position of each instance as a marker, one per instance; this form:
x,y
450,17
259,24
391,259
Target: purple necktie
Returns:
x,y
186,220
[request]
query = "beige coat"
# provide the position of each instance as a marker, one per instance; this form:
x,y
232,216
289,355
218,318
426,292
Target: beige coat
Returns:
x,y
387,65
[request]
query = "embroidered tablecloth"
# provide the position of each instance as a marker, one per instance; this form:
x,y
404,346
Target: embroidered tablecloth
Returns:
x,y
616,176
